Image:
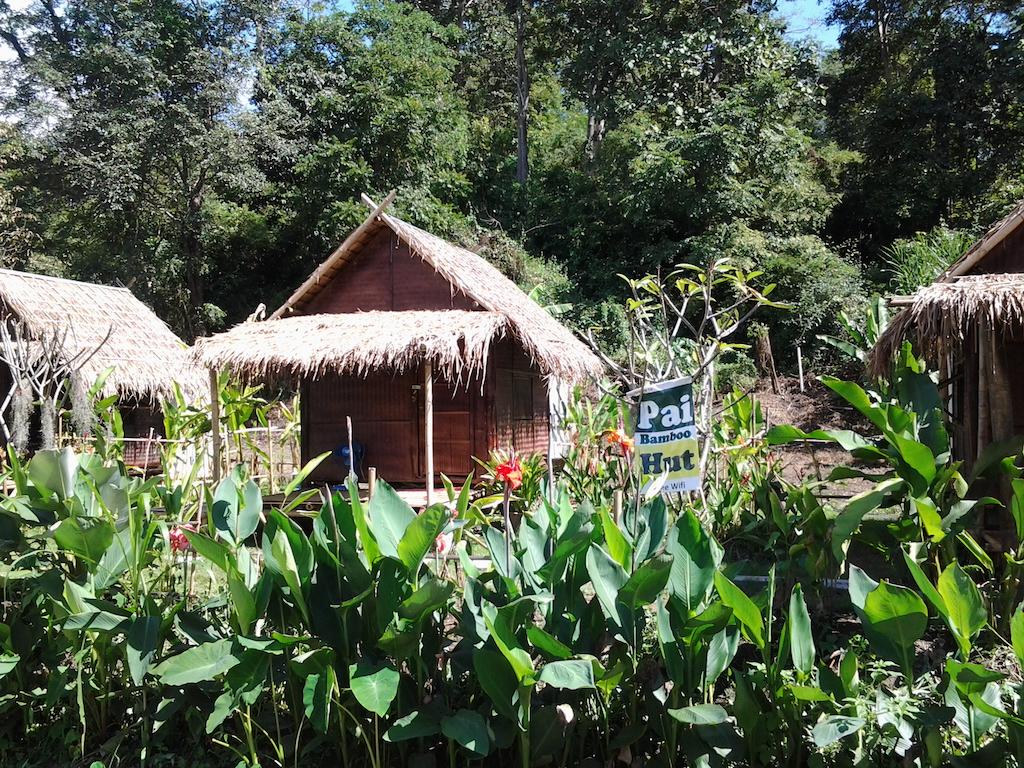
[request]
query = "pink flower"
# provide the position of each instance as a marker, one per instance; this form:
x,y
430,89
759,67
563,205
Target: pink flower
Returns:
x,y
179,541
443,543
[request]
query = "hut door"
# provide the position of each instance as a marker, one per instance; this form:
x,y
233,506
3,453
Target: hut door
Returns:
x,y
453,429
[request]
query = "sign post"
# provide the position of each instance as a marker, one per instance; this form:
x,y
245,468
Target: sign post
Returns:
x,y
666,436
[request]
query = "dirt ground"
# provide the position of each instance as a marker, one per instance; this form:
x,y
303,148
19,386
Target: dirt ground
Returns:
x,y
815,408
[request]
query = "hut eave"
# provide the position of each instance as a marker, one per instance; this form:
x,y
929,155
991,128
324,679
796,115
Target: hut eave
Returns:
x,y
938,317
455,342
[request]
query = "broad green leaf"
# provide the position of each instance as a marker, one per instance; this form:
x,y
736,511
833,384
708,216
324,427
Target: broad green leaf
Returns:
x,y
242,602
504,637
96,621
897,613
8,661
198,664
431,596
618,547
721,651
646,583
967,613
920,460
931,520
142,643
499,682
284,556
236,508
571,674
468,729
374,685
743,608
607,578
860,586
417,724
849,520
1017,633
694,561
362,523
801,639
389,517
700,714
317,692
212,550
86,537
833,728
927,589
420,536
547,643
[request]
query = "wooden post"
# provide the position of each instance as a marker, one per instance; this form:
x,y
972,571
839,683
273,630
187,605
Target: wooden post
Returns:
x,y
351,453
800,366
428,427
215,424
371,482
270,459
617,505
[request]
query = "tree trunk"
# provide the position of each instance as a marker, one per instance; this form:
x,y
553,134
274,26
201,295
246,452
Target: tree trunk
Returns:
x,y
523,96
595,135
190,236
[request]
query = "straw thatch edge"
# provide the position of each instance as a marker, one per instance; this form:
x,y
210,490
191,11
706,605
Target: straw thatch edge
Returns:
x,y
942,314
456,342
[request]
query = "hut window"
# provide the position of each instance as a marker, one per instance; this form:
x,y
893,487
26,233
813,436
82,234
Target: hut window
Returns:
x,y
522,396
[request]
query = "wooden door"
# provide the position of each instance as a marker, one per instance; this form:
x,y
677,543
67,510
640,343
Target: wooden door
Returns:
x,y
454,409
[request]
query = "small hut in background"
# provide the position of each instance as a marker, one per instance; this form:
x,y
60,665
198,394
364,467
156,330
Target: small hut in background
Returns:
x,y
969,324
60,334
434,354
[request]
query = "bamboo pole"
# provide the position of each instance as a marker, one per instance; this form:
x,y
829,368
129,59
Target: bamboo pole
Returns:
x,y
617,505
371,482
270,459
800,366
428,427
215,424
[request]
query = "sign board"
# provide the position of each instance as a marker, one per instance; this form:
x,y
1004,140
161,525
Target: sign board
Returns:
x,y
666,435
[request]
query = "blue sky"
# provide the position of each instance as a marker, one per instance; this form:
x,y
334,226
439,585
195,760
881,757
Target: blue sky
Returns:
x,y
806,18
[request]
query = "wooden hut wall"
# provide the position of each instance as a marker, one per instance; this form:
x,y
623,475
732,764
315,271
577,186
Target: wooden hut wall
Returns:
x,y
385,275
1006,256
521,415
388,421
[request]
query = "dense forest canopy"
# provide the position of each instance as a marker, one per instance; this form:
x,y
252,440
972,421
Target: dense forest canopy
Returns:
x,y
209,154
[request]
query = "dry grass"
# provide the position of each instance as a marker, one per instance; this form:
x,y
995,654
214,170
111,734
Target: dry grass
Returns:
x,y
455,342
145,355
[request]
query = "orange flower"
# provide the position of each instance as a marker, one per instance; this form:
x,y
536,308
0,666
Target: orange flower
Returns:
x,y
620,438
510,473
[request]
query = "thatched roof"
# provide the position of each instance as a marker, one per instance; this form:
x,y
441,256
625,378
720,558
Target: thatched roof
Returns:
x,y
145,355
939,316
553,347
456,342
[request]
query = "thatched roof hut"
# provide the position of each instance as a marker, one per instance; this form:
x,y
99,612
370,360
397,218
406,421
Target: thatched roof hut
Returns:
x,y
127,336
969,325
398,328
940,317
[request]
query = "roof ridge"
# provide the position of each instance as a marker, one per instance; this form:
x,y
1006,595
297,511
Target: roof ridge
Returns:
x,y
73,281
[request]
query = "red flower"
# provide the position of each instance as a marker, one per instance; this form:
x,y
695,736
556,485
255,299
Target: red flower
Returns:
x,y
179,541
510,473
